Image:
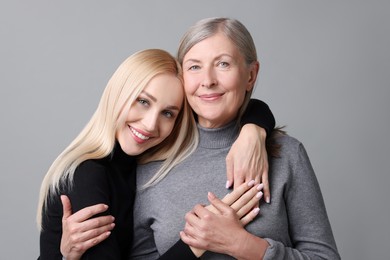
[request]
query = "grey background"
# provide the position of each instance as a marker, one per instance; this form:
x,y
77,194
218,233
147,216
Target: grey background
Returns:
x,y
324,72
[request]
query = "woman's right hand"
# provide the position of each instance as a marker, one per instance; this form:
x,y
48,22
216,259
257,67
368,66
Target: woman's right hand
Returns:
x,y
81,232
238,208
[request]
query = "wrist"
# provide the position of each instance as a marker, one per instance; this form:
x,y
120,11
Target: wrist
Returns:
x,y
252,127
197,252
249,246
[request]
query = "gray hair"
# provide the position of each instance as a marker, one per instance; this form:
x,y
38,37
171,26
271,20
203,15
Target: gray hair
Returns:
x,y
232,28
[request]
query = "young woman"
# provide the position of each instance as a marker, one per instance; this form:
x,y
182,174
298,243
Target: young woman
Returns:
x,y
142,110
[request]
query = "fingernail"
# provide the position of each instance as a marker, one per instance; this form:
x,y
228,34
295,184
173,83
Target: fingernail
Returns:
x,y
227,184
267,199
260,187
256,211
259,195
251,183
211,195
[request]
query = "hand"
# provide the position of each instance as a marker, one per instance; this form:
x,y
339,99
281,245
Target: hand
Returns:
x,y
247,159
80,232
205,228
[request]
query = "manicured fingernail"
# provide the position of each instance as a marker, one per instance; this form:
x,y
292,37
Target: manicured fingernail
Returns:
x,y
256,211
211,195
259,195
267,199
227,184
260,187
251,183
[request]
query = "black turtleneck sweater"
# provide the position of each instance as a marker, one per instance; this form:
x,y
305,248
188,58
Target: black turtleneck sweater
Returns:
x,y
111,181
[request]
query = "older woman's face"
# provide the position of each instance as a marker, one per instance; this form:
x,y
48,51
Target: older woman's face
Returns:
x,y
216,79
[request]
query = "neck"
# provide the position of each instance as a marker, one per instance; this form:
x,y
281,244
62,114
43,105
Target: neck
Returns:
x,y
215,138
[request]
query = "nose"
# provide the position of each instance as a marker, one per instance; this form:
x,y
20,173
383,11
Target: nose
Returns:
x,y
150,121
209,78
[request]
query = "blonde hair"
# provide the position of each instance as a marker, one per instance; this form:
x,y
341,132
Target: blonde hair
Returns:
x,y
97,139
233,29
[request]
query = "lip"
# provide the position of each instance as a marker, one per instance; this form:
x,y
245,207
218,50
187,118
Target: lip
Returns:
x,y
139,135
211,97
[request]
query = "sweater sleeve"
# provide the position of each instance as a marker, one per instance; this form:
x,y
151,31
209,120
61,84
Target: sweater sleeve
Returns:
x,y
258,113
309,226
90,187
179,251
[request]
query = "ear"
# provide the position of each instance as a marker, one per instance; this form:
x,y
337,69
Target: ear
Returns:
x,y
253,72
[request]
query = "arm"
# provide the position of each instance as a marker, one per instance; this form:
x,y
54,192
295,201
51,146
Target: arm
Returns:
x,y
247,159
91,187
310,229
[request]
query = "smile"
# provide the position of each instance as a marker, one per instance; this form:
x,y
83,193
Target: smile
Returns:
x,y
138,134
211,97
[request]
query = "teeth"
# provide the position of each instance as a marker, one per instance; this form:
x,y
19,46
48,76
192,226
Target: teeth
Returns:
x,y
139,135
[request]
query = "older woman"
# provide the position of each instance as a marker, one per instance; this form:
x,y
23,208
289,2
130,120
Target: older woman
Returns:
x,y
220,68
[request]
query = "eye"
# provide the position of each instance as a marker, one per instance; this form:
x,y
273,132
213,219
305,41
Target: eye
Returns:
x,y
168,114
223,64
143,101
194,67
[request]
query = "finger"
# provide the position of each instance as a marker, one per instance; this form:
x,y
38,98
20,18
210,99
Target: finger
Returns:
x,y
193,243
230,198
88,212
257,178
84,246
189,240
66,207
96,233
189,229
250,216
191,219
239,178
245,198
96,223
218,204
229,172
251,204
266,189
201,212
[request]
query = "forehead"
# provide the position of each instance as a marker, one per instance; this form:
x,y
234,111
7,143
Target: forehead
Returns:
x,y
166,88
216,44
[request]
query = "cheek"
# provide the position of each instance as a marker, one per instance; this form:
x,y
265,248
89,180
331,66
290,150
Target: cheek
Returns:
x,y
190,85
166,129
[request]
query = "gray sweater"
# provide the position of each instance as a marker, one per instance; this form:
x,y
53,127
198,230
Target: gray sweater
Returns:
x,y
295,223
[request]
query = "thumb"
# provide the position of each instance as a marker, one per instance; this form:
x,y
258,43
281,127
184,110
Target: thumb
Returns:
x,y
217,203
66,207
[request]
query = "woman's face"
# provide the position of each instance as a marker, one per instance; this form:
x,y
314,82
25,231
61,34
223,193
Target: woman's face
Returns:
x,y
216,79
152,116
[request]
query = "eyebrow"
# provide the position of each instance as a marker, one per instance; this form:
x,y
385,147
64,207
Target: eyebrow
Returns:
x,y
155,100
216,58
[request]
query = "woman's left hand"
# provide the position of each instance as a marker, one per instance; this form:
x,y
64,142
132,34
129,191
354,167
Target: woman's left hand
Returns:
x,y
247,159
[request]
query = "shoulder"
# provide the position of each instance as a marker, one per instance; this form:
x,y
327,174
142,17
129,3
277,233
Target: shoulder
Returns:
x,y
288,144
92,172
292,152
